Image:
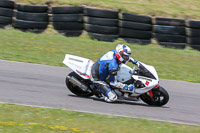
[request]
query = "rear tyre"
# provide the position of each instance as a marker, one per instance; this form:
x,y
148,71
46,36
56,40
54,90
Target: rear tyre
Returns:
x,y
160,97
75,89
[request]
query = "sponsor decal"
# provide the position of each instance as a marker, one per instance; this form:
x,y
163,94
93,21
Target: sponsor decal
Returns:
x,y
147,83
145,79
75,60
74,65
83,74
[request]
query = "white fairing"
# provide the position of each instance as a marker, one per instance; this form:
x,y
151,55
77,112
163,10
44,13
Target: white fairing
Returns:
x,y
151,69
79,64
125,74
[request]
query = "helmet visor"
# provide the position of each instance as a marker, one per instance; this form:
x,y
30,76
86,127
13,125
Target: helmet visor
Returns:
x,y
125,57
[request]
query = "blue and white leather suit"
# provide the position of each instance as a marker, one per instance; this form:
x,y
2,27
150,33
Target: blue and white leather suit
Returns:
x,y
108,65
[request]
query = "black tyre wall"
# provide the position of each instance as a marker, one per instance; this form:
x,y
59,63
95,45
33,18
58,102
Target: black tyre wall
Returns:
x,y
193,40
193,24
135,25
170,32
101,13
169,21
193,34
135,33
7,4
170,38
173,45
195,46
137,41
40,17
68,21
6,12
135,28
5,20
67,10
164,29
103,37
67,17
101,24
101,29
32,8
68,25
101,21
135,18
70,33
23,24
31,18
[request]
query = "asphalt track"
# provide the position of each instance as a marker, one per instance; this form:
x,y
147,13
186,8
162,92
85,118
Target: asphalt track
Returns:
x,y
42,85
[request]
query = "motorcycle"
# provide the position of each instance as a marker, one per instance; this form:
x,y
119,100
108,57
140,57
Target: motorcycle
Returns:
x,y
144,78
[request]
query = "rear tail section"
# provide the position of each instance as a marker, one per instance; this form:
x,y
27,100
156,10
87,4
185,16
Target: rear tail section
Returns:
x,y
82,66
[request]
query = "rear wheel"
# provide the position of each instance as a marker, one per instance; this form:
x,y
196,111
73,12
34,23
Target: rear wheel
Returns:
x,y
75,89
160,97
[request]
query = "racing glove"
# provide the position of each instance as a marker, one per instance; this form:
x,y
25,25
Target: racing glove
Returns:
x,y
134,61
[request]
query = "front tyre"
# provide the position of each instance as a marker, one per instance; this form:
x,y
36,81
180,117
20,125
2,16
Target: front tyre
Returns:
x,y
75,89
160,97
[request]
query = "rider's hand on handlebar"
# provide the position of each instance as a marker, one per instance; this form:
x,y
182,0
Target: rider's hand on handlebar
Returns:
x,y
134,61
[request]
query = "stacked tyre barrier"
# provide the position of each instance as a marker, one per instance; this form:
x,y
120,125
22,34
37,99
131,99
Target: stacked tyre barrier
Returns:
x,y
193,34
101,24
170,32
135,28
31,18
6,12
68,21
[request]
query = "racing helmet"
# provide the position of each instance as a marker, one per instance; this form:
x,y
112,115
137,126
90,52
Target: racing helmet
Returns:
x,y
122,53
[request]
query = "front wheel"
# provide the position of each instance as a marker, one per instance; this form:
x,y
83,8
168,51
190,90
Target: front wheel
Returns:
x,y
75,89
160,97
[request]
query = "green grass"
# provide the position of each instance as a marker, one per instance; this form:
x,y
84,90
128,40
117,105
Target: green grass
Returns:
x,y
185,9
22,119
50,48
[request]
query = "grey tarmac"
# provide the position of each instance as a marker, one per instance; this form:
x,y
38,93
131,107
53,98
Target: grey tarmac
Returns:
x,y
44,86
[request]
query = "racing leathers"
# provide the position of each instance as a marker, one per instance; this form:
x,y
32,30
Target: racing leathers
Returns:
x,y
106,68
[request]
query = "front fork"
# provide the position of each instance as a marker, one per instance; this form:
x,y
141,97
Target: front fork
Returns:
x,y
150,93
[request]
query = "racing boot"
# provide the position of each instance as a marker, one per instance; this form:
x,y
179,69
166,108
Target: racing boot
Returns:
x,y
110,96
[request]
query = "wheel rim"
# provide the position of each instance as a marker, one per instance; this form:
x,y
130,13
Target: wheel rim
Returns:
x,y
158,97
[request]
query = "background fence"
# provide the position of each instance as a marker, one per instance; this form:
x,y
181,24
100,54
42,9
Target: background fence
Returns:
x,y
100,24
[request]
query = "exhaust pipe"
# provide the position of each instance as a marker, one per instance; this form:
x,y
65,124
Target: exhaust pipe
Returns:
x,y
77,83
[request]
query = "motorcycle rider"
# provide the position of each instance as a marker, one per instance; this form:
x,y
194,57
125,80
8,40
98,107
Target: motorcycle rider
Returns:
x,y
106,68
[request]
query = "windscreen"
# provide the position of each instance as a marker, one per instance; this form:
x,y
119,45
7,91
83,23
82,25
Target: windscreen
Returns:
x,y
142,71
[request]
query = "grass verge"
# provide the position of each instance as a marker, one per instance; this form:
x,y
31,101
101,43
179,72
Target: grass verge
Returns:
x,y
22,119
185,9
50,48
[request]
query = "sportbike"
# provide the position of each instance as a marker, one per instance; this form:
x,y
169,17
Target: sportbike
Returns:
x,y
144,78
